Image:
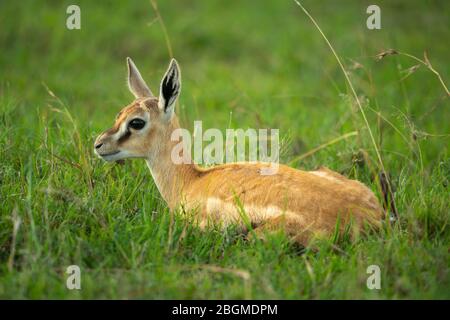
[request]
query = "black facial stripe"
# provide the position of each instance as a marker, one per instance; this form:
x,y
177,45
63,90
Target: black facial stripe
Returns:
x,y
124,137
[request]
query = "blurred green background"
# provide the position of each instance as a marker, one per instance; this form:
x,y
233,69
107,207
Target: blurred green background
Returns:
x,y
264,61
259,64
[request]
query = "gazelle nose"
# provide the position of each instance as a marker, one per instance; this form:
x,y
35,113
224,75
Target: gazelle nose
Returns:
x,y
98,145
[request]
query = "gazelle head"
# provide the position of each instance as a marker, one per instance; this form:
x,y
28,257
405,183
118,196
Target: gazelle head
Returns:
x,y
140,126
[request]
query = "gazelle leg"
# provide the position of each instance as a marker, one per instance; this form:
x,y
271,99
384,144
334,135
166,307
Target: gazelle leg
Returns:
x,y
281,223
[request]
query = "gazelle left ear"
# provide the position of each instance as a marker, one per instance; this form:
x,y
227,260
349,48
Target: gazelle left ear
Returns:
x,y
170,88
136,84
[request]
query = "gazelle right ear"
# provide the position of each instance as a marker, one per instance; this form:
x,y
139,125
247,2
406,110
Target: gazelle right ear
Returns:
x,y
136,84
170,88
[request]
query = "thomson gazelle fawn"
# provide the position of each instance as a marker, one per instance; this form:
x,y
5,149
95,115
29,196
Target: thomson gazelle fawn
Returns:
x,y
304,204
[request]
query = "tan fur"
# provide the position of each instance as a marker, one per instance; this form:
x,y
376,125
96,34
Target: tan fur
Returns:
x,y
304,204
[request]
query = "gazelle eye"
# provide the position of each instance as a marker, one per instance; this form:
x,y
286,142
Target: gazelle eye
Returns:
x,y
136,124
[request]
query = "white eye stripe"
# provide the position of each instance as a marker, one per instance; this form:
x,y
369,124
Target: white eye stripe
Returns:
x,y
124,126
122,130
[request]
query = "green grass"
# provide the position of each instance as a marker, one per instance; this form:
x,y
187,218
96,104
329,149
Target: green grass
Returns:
x,y
245,64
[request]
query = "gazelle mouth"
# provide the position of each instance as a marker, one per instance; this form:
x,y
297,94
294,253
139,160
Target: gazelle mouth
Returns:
x,y
108,154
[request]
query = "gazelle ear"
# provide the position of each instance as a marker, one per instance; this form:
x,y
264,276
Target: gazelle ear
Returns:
x,y
137,85
170,88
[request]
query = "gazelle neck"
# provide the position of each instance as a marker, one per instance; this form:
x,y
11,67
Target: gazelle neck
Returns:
x,y
170,178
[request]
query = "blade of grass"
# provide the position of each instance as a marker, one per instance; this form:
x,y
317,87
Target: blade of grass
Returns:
x,y
323,146
163,27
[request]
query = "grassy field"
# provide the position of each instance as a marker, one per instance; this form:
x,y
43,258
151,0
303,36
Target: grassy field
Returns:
x,y
259,64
